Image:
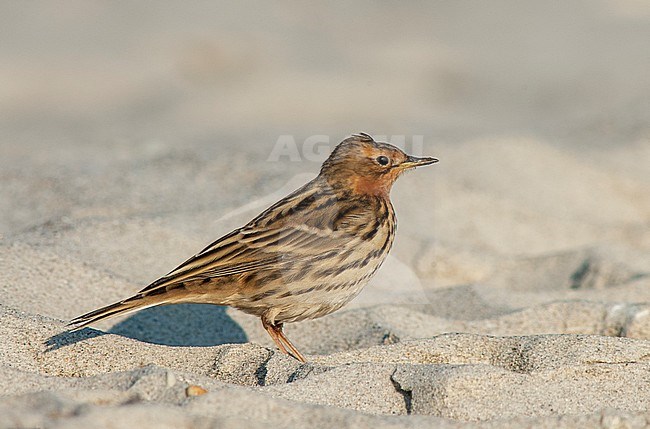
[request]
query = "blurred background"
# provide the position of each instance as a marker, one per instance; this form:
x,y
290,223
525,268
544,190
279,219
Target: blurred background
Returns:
x,y
136,132
89,73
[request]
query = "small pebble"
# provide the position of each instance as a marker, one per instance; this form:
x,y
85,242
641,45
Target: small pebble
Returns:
x,y
194,390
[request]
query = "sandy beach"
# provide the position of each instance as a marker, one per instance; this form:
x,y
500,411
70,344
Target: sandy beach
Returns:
x,y
517,293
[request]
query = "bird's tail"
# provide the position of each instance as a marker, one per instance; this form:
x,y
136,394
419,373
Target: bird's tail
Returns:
x,y
135,303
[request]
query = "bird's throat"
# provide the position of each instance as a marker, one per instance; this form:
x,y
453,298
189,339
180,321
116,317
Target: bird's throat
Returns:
x,y
371,186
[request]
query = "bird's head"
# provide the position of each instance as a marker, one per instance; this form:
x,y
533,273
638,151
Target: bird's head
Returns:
x,y
365,166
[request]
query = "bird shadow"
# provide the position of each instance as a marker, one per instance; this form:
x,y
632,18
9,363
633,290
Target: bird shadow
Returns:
x,y
181,325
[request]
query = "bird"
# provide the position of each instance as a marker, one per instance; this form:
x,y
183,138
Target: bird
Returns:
x,y
304,257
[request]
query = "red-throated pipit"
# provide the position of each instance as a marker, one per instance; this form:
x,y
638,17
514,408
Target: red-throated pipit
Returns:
x,y
304,257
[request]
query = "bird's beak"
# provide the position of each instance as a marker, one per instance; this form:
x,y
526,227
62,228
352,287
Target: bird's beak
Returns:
x,y
414,161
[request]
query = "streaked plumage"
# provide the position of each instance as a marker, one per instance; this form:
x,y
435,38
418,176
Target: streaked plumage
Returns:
x,y
304,257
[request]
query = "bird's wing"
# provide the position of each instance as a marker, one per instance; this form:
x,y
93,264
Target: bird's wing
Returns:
x,y
226,256
295,229
253,249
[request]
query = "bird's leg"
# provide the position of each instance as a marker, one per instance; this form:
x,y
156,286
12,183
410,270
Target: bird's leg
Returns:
x,y
275,331
288,343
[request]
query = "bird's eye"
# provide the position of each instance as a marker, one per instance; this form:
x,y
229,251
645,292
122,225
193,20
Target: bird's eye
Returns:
x,y
382,160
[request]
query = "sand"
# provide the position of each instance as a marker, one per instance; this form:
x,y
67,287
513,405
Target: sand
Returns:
x,y
518,290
